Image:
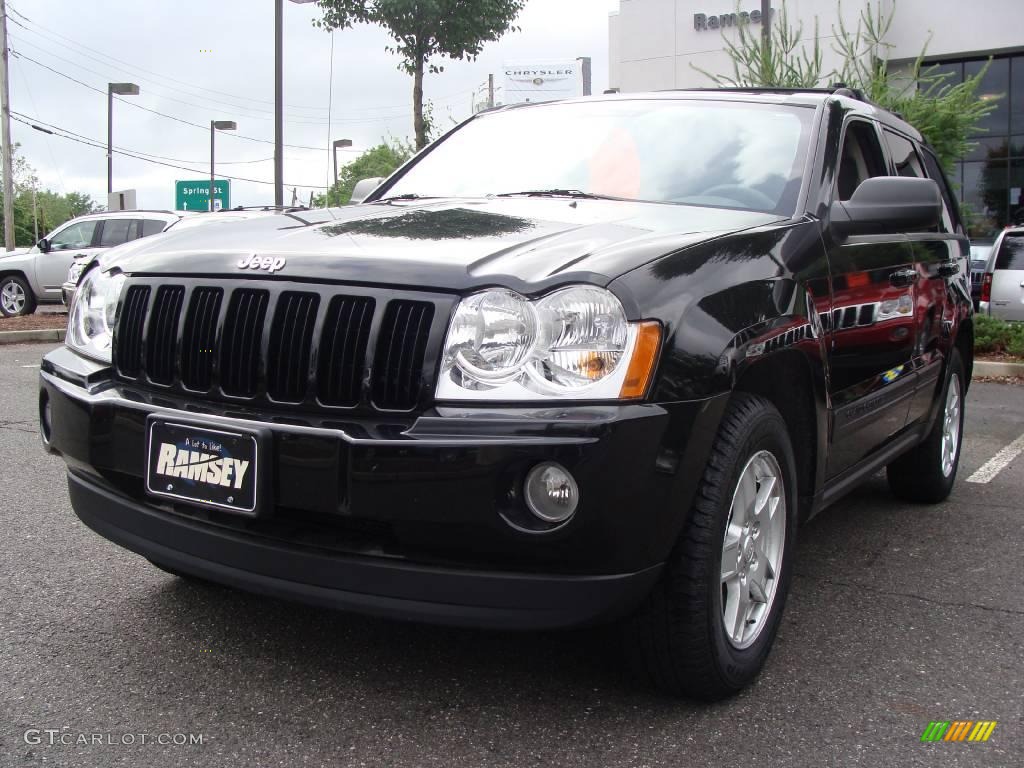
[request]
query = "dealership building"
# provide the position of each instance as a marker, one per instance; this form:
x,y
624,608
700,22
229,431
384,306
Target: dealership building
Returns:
x,y
664,44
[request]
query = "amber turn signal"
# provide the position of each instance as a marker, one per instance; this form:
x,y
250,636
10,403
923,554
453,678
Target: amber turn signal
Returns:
x,y
641,364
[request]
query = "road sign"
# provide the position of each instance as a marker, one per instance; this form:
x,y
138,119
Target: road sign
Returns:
x,y
195,195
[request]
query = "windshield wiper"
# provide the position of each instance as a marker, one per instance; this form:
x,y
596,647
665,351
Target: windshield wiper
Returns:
x,y
557,193
407,196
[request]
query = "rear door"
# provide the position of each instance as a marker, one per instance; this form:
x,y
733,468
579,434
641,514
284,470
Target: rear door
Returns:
x,y
1007,300
942,283
79,238
871,325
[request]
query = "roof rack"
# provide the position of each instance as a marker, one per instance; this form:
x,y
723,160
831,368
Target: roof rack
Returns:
x,y
837,89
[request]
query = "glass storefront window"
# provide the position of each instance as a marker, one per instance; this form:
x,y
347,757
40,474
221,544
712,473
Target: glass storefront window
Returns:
x,y
1016,94
994,84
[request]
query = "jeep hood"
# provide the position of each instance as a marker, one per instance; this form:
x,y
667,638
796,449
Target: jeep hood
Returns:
x,y
527,244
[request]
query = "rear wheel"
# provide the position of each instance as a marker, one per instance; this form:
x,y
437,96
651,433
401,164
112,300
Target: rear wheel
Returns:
x,y
16,297
926,474
709,624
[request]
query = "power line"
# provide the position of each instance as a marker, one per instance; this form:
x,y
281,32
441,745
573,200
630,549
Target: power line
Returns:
x,y
219,107
403,108
137,151
204,128
97,145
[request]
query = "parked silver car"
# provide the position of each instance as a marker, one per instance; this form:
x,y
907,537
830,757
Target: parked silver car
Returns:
x,y
1002,286
33,277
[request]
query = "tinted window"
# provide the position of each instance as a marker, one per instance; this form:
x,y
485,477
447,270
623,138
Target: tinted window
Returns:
x,y
76,236
152,227
904,156
1011,252
950,211
861,158
116,232
746,156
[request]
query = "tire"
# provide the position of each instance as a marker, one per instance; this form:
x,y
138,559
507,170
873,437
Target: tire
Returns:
x,y
926,473
677,640
16,297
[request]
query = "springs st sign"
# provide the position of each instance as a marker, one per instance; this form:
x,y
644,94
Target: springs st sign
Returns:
x,y
195,195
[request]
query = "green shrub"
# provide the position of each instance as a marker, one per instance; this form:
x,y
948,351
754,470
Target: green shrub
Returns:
x,y
992,336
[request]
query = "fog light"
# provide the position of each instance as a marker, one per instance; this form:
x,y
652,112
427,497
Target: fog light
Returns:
x,y
551,492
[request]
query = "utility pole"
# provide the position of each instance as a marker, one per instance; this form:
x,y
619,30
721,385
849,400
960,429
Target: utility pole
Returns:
x,y
5,106
766,21
278,103
35,216
490,91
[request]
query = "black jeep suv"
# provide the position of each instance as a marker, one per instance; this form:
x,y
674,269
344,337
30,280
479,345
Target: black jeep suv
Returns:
x,y
576,362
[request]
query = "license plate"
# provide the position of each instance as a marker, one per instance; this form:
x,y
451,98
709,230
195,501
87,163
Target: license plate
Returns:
x,y
211,468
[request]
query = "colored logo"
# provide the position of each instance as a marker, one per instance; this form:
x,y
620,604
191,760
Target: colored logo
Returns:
x,y
959,730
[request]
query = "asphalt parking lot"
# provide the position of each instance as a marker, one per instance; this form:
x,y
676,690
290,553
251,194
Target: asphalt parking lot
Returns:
x,y
899,615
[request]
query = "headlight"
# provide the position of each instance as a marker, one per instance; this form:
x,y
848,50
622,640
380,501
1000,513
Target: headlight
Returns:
x,y
75,272
573,343
93,313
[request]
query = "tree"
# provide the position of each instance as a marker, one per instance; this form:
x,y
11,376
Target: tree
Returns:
x,y
946,114
48,210
381,160
426,29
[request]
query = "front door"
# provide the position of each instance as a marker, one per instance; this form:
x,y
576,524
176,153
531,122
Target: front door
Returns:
x,y
76,239
871,326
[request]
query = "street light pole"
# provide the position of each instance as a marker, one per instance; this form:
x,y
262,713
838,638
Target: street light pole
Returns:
x,y
338,144
217,125
121,89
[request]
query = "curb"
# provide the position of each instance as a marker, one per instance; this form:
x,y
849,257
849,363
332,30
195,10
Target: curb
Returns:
x,y
23,337
986,368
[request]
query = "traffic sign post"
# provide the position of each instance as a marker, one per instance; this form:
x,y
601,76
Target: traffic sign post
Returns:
x,y
195,195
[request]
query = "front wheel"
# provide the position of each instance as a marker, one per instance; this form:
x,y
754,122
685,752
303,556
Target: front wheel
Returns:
x,y
16,297
708,625
926,473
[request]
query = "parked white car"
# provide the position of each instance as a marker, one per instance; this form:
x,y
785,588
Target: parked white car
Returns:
x,y
34,276
1002,285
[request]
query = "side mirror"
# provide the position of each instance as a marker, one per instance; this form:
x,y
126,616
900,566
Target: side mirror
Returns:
x,y
43,245
363,188
888,205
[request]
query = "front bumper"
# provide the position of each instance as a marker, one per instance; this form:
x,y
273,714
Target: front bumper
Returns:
x,y
418,518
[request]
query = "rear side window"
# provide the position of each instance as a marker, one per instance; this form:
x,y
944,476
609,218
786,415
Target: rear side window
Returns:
x,y
152,227
950,214
116,232
904,156
1011,252
861,158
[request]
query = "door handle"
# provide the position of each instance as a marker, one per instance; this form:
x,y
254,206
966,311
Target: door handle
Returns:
x,y
949,269
903,277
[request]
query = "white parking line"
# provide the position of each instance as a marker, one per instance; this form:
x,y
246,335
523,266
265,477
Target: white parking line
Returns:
x,y
998,463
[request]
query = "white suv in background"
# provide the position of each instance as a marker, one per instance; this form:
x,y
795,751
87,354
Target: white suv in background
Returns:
x,y
35,276
1002,285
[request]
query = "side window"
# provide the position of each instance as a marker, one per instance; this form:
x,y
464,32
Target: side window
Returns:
x,y
1011,252
904,156
116,232
950,212
152,227
861,158
76,236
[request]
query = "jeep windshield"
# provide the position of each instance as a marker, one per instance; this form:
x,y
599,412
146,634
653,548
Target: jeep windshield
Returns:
x,y
690,152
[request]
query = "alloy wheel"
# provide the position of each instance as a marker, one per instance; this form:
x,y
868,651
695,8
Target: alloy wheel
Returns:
x,y
12,298
752,549
951,426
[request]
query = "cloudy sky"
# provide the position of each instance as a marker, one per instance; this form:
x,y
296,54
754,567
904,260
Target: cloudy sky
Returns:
x,y
197,60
